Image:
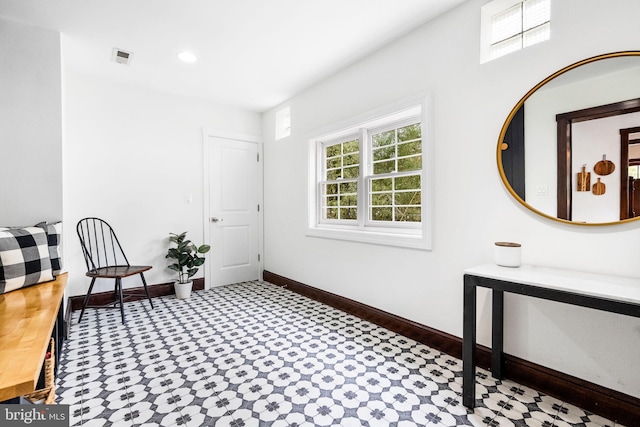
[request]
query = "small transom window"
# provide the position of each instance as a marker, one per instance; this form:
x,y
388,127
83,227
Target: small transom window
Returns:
x,y
510,25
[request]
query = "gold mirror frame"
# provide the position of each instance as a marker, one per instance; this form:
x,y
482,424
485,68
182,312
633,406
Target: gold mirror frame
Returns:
x,y
513,112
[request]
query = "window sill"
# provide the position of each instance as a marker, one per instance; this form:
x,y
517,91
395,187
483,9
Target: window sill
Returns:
x,y
375,237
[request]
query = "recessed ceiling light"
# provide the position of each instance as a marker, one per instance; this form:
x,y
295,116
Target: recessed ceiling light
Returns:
x,y
187,57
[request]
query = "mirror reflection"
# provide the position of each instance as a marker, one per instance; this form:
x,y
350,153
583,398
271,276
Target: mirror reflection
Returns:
x,y
570,149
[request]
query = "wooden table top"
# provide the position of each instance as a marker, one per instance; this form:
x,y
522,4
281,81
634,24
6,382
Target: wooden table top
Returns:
x,y
27,317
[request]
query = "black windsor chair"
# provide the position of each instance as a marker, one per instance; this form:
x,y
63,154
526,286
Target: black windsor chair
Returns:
x,y
105,258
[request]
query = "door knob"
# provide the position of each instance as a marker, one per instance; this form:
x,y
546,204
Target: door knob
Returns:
x,y
214,219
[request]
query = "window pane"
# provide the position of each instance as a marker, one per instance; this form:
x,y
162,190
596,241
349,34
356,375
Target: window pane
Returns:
x,y
382,214
384,167
342,160
384,153
410,164
411,182
384,138
507,46
409,214
332,201
536,12
537,35
409,148
349,213
381,199
351,172
348,200
381,184
341,200
506,24
408,198
351,159
348,187
333,150
334,162
334,174
410,132
351,146
398,205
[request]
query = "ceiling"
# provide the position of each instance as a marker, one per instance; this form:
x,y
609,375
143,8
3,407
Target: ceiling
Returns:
x,y
253,54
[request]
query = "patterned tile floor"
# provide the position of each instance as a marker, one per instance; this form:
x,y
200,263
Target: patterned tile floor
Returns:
x,y
254,354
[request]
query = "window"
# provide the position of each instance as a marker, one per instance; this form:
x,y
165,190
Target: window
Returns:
x,y
395,184
339,187
510,25
367,181
283,123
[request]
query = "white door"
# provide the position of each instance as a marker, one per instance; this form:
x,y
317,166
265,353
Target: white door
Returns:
x,y
233,211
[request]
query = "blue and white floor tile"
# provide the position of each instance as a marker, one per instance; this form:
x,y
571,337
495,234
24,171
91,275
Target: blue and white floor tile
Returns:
x,y
254,354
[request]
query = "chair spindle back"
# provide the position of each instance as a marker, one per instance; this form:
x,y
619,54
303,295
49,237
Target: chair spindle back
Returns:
x,y
100,245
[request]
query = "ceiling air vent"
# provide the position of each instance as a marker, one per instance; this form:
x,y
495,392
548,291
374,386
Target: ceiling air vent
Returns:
x,y
121,56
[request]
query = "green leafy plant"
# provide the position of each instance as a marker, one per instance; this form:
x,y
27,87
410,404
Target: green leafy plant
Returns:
x,y
188,257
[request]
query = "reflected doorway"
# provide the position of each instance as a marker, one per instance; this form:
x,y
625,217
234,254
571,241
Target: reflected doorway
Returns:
x,y
630,182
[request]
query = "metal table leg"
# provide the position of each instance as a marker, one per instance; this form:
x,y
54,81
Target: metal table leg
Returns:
x,y
497,334
469,343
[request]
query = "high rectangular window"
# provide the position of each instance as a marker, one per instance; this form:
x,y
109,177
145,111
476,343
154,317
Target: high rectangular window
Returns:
x,y
283,123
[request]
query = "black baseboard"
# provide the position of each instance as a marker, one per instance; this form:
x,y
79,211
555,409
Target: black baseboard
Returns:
x,y
104,298
605,402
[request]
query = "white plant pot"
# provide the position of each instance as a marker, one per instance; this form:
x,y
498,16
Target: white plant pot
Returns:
x,y
183,290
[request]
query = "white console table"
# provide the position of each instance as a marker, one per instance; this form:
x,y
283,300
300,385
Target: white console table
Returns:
x,y
602,292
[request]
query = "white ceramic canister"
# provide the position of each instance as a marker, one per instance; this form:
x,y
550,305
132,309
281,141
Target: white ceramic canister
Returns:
x,y
508,254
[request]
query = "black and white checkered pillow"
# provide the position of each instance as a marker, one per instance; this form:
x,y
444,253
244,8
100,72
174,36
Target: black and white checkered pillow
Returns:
x,y
54,237
24,258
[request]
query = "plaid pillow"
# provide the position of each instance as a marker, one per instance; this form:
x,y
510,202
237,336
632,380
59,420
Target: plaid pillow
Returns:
x,y
54,236
24,258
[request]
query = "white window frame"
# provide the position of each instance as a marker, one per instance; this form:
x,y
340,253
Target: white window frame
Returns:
x,y
488,11
402,234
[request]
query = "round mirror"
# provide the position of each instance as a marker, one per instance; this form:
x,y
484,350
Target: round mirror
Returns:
x,y
570,148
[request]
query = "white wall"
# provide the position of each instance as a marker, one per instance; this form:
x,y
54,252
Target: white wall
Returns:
x,y
100,148
130,156
472,208
30,125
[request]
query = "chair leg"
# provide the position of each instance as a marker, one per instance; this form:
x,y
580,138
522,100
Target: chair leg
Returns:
x,y
86,299
146,290
119,289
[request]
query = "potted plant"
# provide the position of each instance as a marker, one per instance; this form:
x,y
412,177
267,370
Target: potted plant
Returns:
x,y
187,260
